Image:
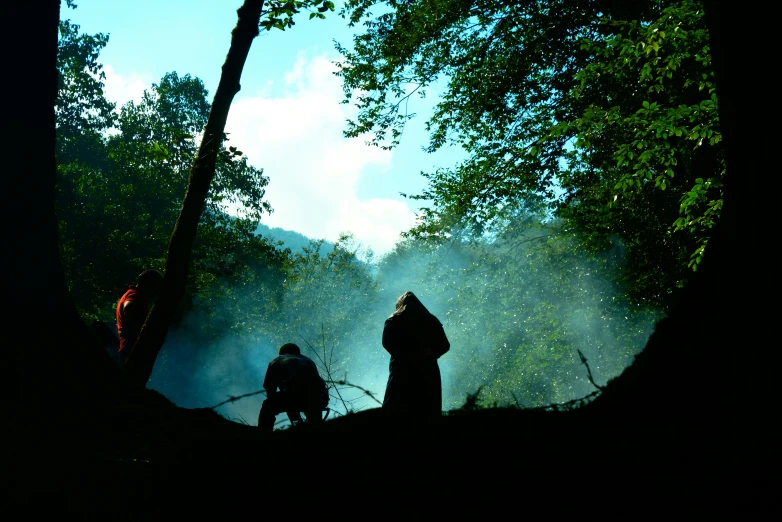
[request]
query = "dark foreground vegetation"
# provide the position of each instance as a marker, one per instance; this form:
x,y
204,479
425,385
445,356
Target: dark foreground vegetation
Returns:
x,y
697,438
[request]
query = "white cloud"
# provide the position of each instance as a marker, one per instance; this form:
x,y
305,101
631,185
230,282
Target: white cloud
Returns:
x,y
121,90
314,171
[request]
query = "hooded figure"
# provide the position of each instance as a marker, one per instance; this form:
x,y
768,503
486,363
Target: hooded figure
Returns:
x,y
415,339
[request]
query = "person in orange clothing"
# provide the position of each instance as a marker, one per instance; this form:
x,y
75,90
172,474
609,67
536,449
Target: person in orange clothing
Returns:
x,y
132,310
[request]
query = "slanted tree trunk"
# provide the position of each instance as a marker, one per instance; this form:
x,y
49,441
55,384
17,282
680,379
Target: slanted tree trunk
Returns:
x,y
153,334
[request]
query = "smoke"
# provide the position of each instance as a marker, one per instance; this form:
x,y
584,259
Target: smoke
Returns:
x,y
198,374
515,315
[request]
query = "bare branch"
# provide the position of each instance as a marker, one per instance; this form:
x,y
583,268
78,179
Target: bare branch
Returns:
x,y
349,385
589,372
232,398
322,362
326,367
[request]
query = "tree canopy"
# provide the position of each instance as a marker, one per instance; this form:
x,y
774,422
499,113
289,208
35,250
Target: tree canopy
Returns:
x,y
122,175
604,113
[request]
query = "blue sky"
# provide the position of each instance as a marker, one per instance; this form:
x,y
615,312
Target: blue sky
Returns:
x,y
287,118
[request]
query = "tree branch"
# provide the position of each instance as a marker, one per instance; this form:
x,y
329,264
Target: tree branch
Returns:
x,y
233,399
589,372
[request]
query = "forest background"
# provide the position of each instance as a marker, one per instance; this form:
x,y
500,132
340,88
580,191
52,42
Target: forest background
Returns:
x,y
592,177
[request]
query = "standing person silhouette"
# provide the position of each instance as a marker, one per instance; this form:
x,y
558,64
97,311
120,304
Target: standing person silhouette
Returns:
x,y
415,339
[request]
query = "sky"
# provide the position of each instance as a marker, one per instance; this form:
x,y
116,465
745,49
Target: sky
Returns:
x,y
287,118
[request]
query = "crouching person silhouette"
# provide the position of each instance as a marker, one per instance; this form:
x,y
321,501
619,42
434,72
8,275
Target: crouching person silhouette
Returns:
x,y
301,389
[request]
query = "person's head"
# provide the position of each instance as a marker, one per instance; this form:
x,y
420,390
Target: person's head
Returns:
x,y
289,349
150,282
409,304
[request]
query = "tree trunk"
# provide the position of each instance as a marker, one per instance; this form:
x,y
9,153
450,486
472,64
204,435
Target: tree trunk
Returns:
x,y
40,318
153,334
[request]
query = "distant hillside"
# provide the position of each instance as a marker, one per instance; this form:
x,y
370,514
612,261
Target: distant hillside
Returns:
x,y
290,239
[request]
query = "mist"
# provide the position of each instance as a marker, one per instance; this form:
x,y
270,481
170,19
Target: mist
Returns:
x,y
516,314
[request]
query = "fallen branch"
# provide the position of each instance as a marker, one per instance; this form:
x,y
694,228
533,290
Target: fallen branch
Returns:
x,y
472,403
567,406
232,398
367,392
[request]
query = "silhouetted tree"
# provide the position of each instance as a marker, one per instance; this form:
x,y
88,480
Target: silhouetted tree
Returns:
x,y
153,334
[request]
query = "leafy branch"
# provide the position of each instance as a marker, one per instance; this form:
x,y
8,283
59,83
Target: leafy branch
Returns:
x,y
279,13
